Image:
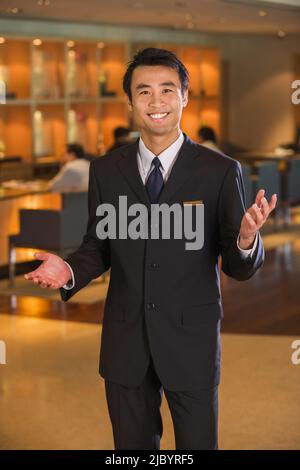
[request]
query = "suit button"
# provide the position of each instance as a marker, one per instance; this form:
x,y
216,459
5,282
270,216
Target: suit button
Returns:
x,y
151,306
154,265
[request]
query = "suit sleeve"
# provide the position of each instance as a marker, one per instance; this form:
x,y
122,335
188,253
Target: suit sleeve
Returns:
x,y
231,209
92,258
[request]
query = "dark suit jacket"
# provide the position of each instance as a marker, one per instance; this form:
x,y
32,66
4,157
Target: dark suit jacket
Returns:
x,y
162,299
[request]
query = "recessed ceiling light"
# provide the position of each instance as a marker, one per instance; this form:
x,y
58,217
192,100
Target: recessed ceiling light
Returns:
x,y
100,45
37,42
43,3
70,43
262,13
2,40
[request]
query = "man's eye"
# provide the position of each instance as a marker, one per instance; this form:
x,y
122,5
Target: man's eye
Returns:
x,y
167,90
144,92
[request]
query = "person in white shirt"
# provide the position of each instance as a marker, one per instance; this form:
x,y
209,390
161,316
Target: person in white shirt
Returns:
x,y
74,175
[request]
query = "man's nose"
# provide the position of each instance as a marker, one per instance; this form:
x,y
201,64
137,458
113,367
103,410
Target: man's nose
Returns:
x,y
156,100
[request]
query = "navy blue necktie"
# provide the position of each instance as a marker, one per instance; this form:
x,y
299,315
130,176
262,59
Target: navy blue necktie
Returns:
x,y
155,181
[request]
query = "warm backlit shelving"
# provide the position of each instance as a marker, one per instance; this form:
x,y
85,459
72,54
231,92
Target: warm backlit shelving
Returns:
x,y
64,91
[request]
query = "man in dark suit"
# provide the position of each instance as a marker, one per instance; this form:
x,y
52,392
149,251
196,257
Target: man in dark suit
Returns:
x,y
161,326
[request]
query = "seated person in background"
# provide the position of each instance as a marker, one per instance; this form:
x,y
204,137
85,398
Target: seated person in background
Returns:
x,y
121,136
74,175
208,138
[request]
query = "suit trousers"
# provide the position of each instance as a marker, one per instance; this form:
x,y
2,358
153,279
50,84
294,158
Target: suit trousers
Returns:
x,y
137,423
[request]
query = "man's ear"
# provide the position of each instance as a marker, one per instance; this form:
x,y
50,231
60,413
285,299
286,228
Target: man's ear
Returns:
x,y
185,98
129,103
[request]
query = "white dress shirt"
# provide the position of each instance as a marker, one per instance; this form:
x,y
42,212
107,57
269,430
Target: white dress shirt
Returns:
x,y
74,175
167,159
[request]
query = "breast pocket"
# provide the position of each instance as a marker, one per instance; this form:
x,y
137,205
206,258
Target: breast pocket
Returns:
x,y
200,314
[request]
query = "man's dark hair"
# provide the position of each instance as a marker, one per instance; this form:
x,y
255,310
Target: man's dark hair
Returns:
x,y
207,133
155,56
76,149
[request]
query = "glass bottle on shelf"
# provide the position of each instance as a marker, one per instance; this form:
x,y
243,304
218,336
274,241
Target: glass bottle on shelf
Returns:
x,y
77,76
83,77
39,74
77,127
2,149
3,83
42,134
102,80
71,74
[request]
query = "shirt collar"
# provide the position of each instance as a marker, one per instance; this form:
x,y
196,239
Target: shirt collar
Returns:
x,y
166,157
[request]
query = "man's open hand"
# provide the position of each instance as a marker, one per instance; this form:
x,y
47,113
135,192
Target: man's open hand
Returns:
x,y
52,273
255,218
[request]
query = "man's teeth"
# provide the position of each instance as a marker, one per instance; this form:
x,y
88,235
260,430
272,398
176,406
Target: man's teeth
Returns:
x,y
158,116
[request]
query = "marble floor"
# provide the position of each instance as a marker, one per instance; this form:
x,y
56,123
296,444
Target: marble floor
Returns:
x,y
51,396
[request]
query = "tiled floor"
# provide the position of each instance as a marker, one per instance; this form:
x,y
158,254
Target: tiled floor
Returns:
x,y
53,398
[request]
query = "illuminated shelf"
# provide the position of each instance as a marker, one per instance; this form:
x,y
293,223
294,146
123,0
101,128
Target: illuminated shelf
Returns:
x,y
17,102
72,91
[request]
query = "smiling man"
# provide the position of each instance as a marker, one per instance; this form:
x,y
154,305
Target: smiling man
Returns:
x,y
161,326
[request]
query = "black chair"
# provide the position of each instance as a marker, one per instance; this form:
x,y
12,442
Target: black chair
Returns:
x,y
294,182
60,231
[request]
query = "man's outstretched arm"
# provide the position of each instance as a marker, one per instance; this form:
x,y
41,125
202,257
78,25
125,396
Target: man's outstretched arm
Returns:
x,y
237,223
88,262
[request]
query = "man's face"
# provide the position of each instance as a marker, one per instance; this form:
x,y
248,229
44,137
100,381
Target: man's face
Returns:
x,y
157,100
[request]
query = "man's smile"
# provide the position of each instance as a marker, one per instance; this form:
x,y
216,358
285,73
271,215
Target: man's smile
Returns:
x,y
158,117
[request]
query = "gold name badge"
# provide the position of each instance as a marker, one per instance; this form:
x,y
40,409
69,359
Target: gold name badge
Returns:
x,y
193,203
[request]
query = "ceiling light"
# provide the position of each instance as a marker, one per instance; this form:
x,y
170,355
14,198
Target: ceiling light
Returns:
x,y
37,42
70,43
43,3
100,45
262,13
2,40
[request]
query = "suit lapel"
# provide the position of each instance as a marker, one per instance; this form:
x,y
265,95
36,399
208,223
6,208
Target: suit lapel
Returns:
x,y
129,168
183,168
